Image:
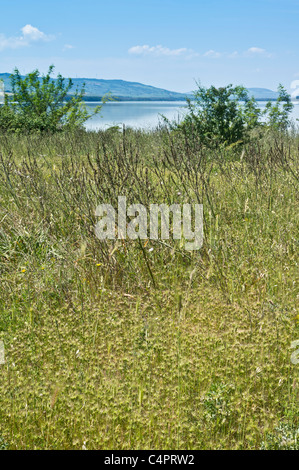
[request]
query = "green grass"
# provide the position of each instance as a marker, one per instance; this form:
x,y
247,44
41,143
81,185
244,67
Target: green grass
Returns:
x,y
112,346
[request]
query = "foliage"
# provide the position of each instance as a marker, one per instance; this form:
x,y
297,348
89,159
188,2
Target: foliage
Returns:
x,y
1,91
43,104
217,403
3,444
98,357
226,115
216,114
284,437
279,113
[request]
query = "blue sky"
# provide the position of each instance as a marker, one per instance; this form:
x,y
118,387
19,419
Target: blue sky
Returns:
x,y
166,43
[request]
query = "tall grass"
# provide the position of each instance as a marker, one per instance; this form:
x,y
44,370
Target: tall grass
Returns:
x,y
143,345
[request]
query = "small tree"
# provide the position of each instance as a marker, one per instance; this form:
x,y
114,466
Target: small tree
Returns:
x,y
226,115
220,115
1,91
41,103
278,114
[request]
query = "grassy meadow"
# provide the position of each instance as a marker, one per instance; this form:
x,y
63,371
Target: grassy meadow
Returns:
x,y
143,345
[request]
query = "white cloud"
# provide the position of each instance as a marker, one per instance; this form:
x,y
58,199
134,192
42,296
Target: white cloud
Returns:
x,y
158,51
30,34
251,52
234,55
68,47
161,51
212,54
257,51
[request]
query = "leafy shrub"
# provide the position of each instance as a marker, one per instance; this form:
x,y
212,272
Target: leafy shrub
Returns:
x,y
40,103
217,402
3,444
279,116
285,437
226,115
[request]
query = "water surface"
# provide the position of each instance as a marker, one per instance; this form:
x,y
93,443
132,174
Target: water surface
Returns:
x,y
137,114
144,114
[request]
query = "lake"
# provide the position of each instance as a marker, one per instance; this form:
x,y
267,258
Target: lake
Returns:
x,y
137,114
143,114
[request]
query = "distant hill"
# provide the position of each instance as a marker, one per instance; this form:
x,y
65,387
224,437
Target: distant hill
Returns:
x,y
125,91
260,94
134,91
263,94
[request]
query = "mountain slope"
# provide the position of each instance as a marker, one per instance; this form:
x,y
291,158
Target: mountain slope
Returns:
x,y
95,89
134,91
263,94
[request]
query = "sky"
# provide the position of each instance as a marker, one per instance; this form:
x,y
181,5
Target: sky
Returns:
x,y
170,44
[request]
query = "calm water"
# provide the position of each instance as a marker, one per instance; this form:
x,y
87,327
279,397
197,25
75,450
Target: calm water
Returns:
x,y
142,114
137,114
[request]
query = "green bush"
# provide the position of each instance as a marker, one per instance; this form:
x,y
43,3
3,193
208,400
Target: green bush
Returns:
x,y
279,116
226,115
284,437
39,103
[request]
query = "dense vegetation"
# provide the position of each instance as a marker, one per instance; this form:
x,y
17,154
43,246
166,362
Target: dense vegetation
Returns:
x,y
130,345
39,103
96,89
227,115
141,344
